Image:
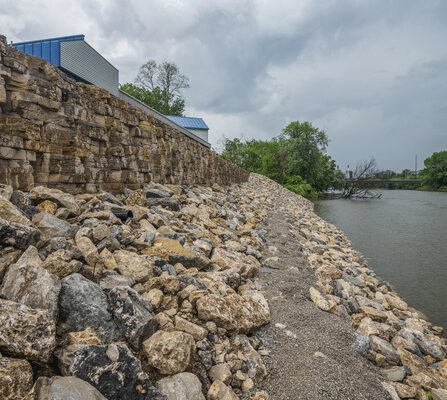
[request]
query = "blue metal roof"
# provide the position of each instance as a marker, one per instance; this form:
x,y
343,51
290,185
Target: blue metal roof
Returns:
x,y
48,49
188,122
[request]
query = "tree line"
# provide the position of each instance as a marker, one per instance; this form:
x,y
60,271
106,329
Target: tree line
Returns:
x,y
296,159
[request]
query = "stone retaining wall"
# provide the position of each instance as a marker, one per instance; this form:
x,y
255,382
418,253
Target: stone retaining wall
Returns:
x,y
60,133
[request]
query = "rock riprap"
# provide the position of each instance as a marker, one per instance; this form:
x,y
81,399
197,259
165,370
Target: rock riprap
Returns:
x,y
167,304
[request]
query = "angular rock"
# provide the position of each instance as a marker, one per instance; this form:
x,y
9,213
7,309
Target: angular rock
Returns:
x,y
26,332
111,281
233,312
83,304
320,301
219,391
395,374
169,352
134,265
431,348
6,191
88,250
27,283
439,394
132,314
11,213
65,388
114,371
220,372
51,226
196,331
66,200
16,378
405,391
61,263
183,386
383,347
17,235
369,327
362,344
47,206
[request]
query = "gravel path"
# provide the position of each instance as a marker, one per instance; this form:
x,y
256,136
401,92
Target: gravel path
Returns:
x,y
311,351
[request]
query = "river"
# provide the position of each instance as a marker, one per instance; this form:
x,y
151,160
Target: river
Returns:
x,y
404,237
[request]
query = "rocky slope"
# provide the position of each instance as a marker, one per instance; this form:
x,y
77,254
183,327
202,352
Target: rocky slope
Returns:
x,y
154,294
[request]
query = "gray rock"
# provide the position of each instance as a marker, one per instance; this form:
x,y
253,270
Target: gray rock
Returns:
x,y
65,388
395,374
353,280
114,371
181,387
83,304
66,200
26,282
26,332
152,193
362,344
51,226
166,202
17,235
431,348
439,394
113,280
383,347
132,314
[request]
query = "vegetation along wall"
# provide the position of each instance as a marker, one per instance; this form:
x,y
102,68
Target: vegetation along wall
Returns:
x,y
78,137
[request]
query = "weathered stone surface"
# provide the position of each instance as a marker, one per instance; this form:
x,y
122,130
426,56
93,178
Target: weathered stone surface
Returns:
x,y
61,263
395,374
220,372
320,301
405,391
219,391
11,213
26,332
87,336
27,283
386,349
431,348
66,200
233,312
50,226
196,331
114,371
132,314
169,352
83,304
133,265
16,379
183,386
65,388
17,235
439,394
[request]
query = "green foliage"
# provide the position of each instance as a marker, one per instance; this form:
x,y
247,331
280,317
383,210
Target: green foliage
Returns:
x,y
296,159
155,98
435,171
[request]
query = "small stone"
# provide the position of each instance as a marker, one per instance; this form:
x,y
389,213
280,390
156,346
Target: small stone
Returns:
x,y
61,263
220,372
87,336
386,349
183,386
131,264
17,235
16,378
405,391
196,331
395,374
64,388
169,352
247,385
260,396
439,394
88,250
51,226
154,296
40,193
362,344
219,391
47,206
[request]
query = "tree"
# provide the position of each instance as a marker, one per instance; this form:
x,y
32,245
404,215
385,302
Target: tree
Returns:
x,y
435,171
160,87
305,146
355,188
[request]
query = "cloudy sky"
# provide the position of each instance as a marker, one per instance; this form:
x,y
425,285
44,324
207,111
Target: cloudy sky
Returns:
x,y
371,73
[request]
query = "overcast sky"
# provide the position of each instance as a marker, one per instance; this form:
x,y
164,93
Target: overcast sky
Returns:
x,y
372,74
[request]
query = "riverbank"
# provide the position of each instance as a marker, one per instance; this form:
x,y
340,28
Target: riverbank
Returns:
x,y
202,293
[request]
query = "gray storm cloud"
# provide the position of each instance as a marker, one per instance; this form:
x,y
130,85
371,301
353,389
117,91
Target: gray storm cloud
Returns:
x,y
372,74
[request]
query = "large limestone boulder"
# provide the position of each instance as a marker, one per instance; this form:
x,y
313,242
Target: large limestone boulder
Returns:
x,y
66,200
233,312
114,371
11,213
26,332
83,304
169,352
132,314
26,282
16,378
17,235
64,388
181,387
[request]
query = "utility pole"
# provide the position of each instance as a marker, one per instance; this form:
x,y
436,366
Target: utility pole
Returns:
x,y
416,165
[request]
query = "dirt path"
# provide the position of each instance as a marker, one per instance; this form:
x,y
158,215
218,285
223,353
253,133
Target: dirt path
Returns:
x,y
312,354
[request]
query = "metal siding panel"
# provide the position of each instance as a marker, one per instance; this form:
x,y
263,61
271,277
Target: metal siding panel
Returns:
x,y
29,49
55,52
37,49
46,50
82,60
